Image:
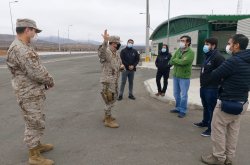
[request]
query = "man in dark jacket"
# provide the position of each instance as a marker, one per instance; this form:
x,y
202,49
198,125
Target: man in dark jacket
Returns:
x,y
163,68
130,58
209,90
235,73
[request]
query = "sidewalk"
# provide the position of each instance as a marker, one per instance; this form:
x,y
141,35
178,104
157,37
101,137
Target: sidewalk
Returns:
x,y
194,101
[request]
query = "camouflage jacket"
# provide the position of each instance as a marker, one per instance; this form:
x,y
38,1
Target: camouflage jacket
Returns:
x,y
29,76
111,63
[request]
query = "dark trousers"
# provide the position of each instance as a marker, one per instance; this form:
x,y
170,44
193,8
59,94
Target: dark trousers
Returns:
x,y
209,101
159,75
130,75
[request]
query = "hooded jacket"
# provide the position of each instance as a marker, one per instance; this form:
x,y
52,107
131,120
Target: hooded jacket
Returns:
x,y
235,76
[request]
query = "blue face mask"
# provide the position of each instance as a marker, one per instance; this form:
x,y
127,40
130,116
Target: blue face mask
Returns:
x,y
130,45
163,50
206,49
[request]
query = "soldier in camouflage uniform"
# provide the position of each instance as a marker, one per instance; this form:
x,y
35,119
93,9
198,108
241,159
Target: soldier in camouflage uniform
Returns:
x,y
30,79
111,67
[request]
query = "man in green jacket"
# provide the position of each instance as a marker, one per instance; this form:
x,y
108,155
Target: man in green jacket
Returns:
x,y
182,61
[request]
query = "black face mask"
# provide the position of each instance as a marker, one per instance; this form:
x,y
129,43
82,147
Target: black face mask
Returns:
x,y
118,46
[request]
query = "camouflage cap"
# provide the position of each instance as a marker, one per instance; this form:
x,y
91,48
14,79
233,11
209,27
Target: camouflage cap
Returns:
x,y
27,23
114,39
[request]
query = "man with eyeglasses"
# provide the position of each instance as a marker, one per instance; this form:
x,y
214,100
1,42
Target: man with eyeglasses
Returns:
x,y
30,79
182,61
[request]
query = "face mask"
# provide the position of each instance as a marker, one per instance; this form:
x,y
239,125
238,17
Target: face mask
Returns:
x,y
163,50
182,45
34,39
228,50
118,46
206,49
130,45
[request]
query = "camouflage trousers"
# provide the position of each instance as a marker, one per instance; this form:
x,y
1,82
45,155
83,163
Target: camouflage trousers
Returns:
x,y
34,118
111,88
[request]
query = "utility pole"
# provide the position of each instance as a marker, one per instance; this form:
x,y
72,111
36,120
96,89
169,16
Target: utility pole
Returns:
x,y
68,39
147,28
239,7
168,21
59,42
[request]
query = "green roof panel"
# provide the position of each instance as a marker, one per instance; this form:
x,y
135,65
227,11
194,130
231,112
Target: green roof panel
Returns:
x,y
187,23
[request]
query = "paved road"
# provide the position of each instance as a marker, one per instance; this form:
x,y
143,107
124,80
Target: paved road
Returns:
x,y
48,57
2,59
149,134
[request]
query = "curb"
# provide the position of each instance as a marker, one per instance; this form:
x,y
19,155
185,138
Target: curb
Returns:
x,y
168,99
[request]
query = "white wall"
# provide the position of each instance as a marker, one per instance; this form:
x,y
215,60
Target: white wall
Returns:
x,y
174,44
243,27
222,37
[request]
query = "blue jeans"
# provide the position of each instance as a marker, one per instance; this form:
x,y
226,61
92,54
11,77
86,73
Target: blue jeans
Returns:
x,y
209,101
130,75
181,87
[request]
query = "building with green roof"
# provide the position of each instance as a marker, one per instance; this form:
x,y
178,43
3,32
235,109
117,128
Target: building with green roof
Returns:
x,y
198,27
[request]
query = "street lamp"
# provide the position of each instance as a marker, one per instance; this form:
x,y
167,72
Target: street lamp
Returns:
x,y
89,48
11,16
68,38
68,31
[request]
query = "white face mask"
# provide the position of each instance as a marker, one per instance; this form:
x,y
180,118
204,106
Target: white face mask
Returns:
x,y
182,45
34,39
228,50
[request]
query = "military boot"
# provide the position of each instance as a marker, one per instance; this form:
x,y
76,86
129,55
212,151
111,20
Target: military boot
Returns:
x,y
212,160
110,122
113,118
228,162
44,147
35,158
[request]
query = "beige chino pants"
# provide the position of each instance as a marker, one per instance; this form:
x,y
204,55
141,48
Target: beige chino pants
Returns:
x,y
225,131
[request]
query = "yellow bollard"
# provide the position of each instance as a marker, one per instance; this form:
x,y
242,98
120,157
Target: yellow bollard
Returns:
x,y
147,59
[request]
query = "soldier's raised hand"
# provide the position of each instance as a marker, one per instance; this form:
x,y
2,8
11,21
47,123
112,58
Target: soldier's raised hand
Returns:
x,y
105,36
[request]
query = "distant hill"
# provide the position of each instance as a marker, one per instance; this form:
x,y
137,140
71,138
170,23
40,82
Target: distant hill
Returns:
x,y
5,40
51,43
90,42
55,39
6,37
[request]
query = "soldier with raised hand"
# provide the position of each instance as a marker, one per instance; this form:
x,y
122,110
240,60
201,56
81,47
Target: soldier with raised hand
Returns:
x,y
111,67
30,79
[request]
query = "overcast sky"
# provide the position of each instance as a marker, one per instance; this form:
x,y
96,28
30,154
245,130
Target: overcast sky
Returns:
x,y
89,18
